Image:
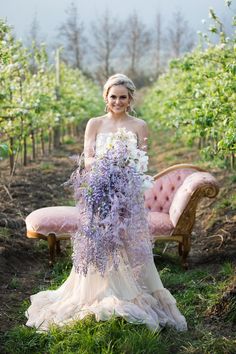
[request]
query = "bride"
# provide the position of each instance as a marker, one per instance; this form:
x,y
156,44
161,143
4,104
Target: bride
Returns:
x,y
113,271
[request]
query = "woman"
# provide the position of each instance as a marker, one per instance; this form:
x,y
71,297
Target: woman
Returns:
x,y
113,272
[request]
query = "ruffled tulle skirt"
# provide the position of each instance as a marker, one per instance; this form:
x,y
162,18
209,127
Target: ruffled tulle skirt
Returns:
x,y
117,293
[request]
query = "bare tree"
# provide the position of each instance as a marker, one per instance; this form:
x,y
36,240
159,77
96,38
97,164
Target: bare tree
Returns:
x,y
137,41
71,31
34,41
107,33
180,35
34,35
158,43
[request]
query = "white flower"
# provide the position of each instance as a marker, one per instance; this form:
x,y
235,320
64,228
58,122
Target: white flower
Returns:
x,y
137,158
147,182
221,46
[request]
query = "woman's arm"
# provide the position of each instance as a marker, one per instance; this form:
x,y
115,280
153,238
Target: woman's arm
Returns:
x,y
90,142
142,136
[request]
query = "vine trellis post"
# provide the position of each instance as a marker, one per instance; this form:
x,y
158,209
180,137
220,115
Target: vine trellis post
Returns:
x,y
57,128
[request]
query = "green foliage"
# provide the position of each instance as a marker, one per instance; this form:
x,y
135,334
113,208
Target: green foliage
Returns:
x,y
4,150
32,99
197,96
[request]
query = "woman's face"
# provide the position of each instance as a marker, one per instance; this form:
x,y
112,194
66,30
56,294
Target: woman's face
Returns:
x,y
118,99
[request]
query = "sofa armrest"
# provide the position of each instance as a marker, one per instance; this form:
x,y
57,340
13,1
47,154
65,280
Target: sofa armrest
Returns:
x,y
199,184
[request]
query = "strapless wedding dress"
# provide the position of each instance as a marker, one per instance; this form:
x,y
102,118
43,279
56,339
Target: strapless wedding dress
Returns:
x,y
117,293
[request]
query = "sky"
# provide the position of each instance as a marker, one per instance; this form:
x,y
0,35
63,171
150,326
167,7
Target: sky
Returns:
x,y
51,13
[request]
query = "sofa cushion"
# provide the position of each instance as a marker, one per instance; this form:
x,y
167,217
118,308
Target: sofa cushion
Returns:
x,y
159,223
58,219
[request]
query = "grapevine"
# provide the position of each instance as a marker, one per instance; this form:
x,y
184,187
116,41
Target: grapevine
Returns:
x,y
34,105
197,96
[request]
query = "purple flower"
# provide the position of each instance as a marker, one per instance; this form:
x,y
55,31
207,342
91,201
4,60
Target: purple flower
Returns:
x,y
112,216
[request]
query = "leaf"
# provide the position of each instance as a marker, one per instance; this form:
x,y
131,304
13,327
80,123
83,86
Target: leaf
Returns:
x,y
4,150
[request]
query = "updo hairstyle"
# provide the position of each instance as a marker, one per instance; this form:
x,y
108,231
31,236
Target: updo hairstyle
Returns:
x,y
120,79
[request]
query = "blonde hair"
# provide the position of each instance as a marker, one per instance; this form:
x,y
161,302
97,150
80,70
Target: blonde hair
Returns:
x,y
120,79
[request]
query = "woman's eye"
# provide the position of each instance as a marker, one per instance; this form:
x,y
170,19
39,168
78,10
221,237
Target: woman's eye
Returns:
x,y
113,97
123,97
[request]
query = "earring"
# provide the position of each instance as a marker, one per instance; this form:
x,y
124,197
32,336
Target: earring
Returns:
x,y
128,108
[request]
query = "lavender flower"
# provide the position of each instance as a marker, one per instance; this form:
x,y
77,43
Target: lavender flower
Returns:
x,y
112,216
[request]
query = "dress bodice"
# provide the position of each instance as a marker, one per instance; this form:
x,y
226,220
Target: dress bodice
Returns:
x,y
137,158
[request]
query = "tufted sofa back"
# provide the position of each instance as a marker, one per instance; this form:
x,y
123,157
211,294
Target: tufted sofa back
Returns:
x,y
160,196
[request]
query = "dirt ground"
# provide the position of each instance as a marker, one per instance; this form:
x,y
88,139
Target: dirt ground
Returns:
x,y
24,262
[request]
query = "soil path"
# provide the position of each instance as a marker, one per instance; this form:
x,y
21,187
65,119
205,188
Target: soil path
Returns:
x,y
24,262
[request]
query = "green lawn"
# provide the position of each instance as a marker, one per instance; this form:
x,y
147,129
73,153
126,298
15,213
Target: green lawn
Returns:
x,y
196,291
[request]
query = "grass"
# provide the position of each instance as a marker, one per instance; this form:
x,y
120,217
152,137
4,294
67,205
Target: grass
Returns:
x,y
66,201
196,290
69,140
4,233
14,283
88,336
47,166
227,269
227,202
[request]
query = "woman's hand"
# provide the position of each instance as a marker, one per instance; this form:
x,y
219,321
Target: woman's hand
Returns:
x,y
88,161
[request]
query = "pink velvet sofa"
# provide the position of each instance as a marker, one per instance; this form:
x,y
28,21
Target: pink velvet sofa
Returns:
x,y
172,204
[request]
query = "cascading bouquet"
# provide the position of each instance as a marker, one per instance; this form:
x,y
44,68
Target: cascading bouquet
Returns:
x,y
110,201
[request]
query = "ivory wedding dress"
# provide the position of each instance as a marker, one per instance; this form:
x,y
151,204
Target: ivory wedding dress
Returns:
x,y
119,292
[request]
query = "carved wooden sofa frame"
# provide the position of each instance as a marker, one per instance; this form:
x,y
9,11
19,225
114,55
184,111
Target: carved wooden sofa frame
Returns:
x,y
183,229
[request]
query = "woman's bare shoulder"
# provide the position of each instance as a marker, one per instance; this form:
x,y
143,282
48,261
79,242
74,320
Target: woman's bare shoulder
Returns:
x,y
95,122
140,123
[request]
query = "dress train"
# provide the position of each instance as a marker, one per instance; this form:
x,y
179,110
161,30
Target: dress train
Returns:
x,y
117,293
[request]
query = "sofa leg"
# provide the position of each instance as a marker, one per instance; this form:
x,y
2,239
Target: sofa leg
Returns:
x,y
51,246
58,247
180,248
186,248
